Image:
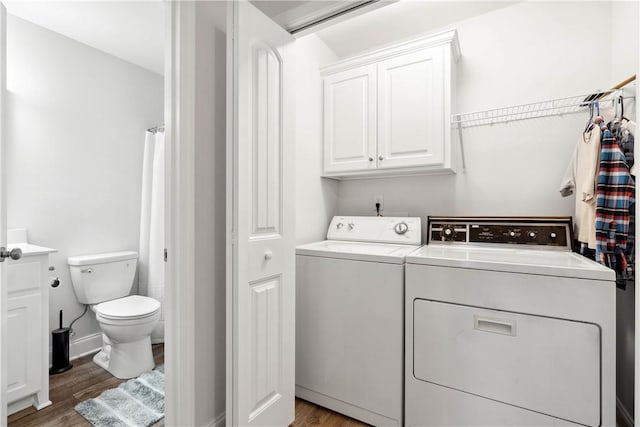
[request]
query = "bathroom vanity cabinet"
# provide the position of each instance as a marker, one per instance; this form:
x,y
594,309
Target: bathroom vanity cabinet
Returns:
x,y
389,112
28,329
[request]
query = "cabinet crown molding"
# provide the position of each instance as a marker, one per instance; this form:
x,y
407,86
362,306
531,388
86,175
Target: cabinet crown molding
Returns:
x,y
376,55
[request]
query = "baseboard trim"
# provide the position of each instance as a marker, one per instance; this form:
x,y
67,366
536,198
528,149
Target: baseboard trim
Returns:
x,y
623,417
219,421
83,346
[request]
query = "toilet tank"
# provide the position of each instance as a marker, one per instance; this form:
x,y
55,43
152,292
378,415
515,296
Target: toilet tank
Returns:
x,y
102,277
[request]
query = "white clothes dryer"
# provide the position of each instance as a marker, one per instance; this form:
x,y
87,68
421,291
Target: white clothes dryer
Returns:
x,y
350,315
505,326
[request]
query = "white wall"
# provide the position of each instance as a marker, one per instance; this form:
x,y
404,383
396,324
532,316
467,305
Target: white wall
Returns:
x,y
76,122
316,198
210,212
523,53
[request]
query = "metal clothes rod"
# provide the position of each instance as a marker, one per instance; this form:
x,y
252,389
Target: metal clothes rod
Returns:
x,y
553,107
534,110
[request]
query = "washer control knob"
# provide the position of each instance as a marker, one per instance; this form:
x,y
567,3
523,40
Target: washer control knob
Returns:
x,y
552,235
401,228
532,234
339,225
512,234
351,226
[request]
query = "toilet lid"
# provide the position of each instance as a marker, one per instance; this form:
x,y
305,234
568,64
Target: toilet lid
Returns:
x,y
131,307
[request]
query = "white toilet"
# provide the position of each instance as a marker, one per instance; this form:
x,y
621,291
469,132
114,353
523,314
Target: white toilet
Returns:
x,y
104,281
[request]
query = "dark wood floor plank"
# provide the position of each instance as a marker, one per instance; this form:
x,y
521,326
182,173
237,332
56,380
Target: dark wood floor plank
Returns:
x,y
86,380
310,415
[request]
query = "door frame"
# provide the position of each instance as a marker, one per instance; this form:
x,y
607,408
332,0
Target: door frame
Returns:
x,y
180,326
3,214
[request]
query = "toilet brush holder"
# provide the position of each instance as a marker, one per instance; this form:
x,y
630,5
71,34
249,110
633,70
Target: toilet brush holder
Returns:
x,y
60,349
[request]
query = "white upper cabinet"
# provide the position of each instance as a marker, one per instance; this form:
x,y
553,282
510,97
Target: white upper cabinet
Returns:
x,y
350,120
389,112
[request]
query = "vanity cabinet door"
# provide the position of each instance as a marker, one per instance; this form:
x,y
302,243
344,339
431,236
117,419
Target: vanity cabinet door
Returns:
x,y
28,333
350,120
411,109
24,338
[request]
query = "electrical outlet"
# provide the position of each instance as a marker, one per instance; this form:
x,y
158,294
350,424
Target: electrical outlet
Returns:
x,y
378,199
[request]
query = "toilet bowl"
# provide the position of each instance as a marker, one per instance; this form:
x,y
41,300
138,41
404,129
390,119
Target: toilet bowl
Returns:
x,y
104,282
126,324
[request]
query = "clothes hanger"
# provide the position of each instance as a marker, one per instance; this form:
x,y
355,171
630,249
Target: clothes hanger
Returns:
x,y
589,124
621,103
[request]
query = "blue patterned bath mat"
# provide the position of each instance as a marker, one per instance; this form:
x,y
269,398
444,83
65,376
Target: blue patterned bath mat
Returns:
x,y
137,402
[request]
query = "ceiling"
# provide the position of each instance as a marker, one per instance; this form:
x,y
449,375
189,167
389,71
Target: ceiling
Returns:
x,y
400,20
134,30
131,30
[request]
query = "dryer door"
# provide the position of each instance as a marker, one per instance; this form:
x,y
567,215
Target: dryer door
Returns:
x,y
543,364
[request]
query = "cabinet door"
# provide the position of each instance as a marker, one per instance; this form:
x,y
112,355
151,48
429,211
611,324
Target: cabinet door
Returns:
x,y
411,113
24,339
350,120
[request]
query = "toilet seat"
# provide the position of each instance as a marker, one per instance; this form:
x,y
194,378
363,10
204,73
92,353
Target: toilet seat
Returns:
x,y
128,308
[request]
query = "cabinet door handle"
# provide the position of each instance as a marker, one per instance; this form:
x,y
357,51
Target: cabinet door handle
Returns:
x,y
371,159
380,158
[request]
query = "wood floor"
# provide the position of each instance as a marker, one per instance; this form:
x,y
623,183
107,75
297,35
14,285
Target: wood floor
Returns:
x,y
308,414
86,380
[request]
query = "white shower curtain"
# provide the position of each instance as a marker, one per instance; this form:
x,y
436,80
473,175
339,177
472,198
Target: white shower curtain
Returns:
x,y
151,258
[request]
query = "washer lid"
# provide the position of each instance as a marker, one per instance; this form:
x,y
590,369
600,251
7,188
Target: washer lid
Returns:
x,y
358,251
541,262
131,307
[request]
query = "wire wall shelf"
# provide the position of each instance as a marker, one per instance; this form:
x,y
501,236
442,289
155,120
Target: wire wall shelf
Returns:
x,y
553,107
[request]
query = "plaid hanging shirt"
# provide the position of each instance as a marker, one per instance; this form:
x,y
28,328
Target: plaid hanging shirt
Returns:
x,y
615,194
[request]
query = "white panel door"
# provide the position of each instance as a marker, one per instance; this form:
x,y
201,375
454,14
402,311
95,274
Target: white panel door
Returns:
x,y
261,221
3,215
350,120
411,109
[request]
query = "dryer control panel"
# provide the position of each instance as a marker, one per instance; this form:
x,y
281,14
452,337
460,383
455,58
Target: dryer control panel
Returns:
x,y
376,229
551,232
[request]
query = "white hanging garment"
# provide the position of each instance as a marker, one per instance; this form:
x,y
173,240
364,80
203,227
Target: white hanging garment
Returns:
x,y
581,179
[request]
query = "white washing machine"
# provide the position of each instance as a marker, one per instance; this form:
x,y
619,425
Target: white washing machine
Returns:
x,y
505,326
350,317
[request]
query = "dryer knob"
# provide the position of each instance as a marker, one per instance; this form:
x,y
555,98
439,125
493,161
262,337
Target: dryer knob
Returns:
x,y
448,232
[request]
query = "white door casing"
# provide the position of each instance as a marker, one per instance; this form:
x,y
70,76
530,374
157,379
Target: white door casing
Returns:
x,y
260,276
3,215
410,109
350,120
